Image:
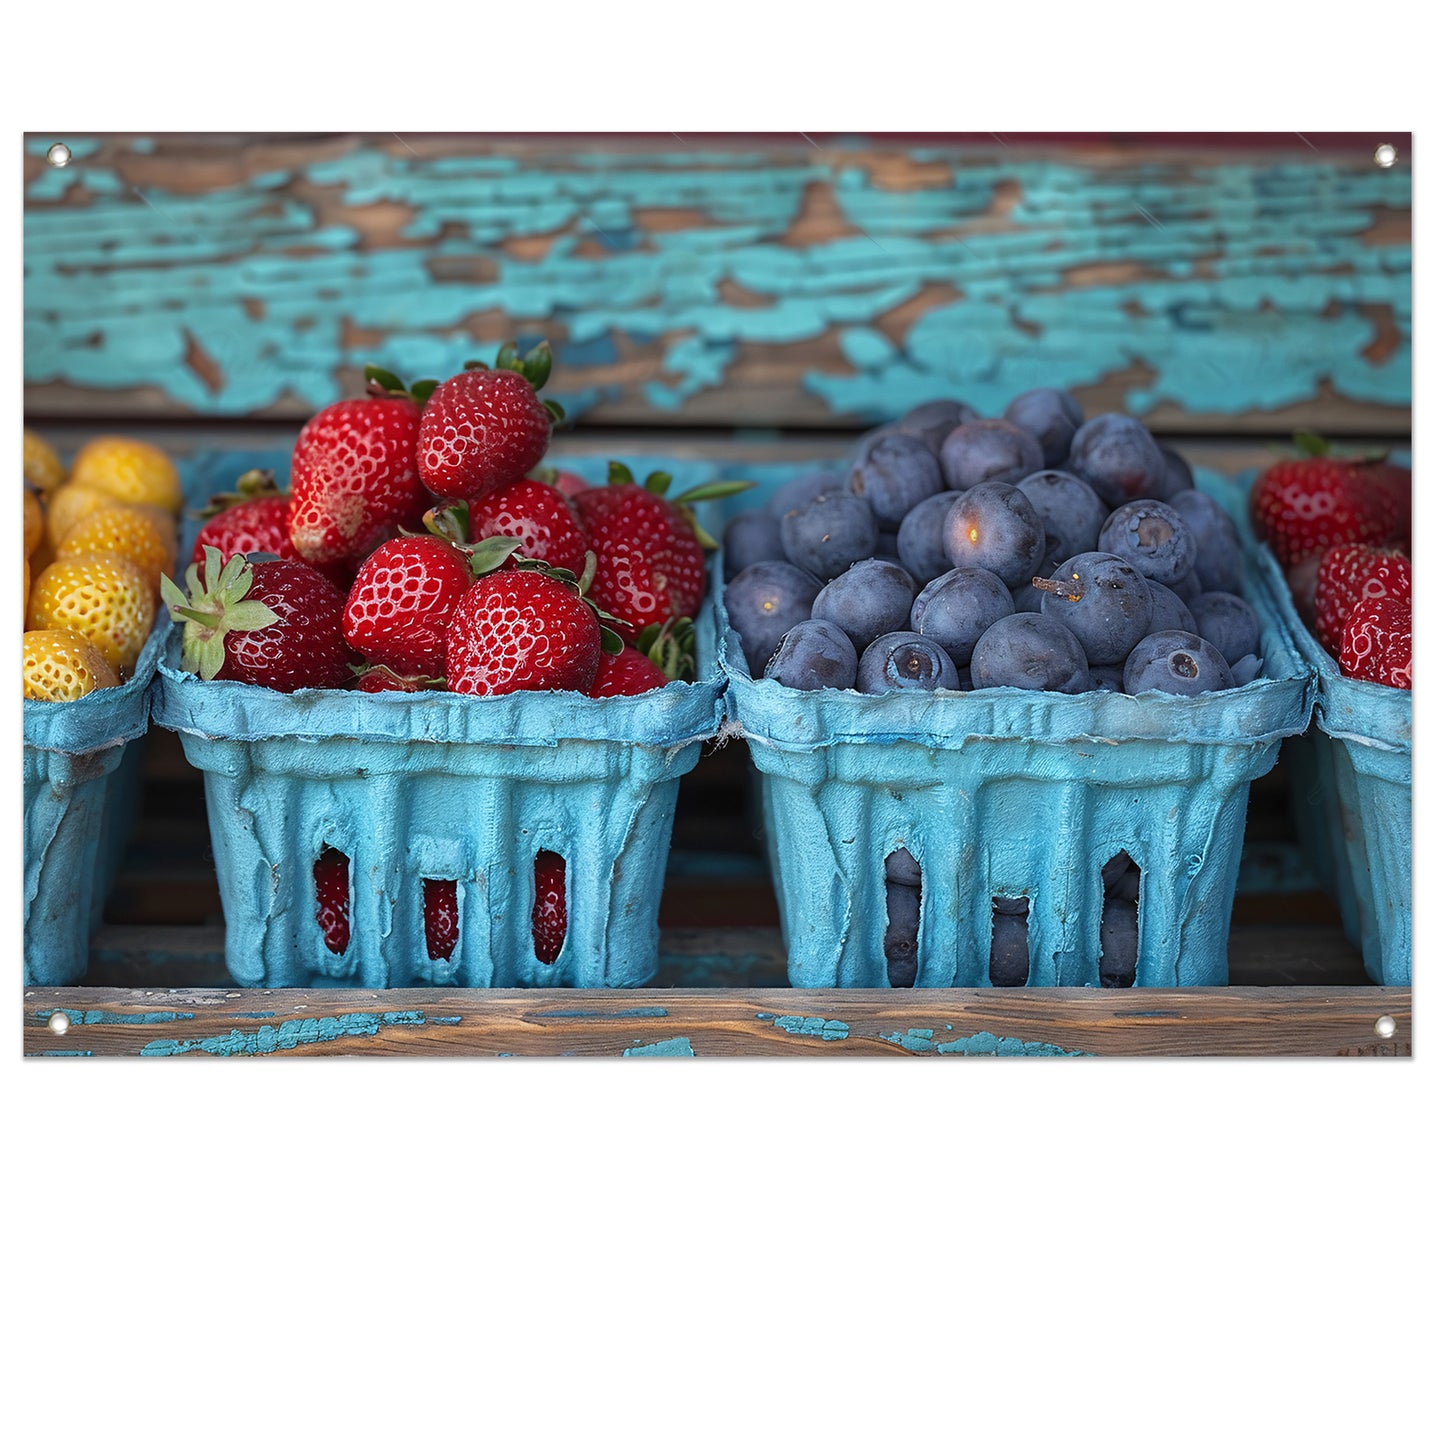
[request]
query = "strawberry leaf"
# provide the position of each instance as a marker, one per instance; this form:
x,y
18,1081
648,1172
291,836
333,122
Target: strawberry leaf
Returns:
x,y
251,486
537,365
1311,445
448,523
421,391
491,553
589,571
619,475
172,595
507,358
546,475
204,656
387,380
249,616
612,644
657,483
554,410
711,491
475,365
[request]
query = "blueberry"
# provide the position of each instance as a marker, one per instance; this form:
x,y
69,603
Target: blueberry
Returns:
x,y
893,474
801,490
1177,662
829,534
932,421
920,537
1170,611
1030,651
1246,670
751,537
1153,537
872,597
814,654
1118,943
1106,679
905,662
900,937
1229,622
1219,558
994,526
1178,475
988,450
763,601
1118,458
1188,587
1070,511
1028,598
1104,602
887,547
1052,416
955,610
1008,950
900,866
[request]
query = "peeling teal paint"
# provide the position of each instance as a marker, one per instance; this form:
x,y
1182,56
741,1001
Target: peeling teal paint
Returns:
x,y
265,1014
680,1048
449,1019
809,1027
1253,277
104,1016
293,1034
920,1041
66,1054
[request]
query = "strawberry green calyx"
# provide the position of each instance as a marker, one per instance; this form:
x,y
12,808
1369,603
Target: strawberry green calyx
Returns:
x,y
535,366
213,605
400,682
451,524
671,646
1310,444
380,382
620,475
494,552
251,486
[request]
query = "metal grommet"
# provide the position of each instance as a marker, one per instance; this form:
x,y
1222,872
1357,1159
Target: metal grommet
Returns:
x,y
59,1021
1385,1026
58,155
1385,155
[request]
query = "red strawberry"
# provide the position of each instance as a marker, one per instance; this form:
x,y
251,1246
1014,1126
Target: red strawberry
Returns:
x,y
539,516
332,874
549,906
401,602
273,624
353,472
625,674
439,916
487,426
253,518
662,654
383,679
1393,483
1304,507
650,563
1376,642
523,629
568,483
1349,574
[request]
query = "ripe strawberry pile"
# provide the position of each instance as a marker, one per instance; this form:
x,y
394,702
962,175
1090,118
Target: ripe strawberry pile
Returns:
x,y
422,547
1340,526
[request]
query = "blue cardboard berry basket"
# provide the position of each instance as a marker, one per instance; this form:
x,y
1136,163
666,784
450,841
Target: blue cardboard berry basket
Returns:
x,y
435,785
1350,780
1006,793
82,776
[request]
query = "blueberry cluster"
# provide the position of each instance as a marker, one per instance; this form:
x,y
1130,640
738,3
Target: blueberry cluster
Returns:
x,y
1034,550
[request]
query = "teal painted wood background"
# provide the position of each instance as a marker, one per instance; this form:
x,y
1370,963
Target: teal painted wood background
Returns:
x,y
756,283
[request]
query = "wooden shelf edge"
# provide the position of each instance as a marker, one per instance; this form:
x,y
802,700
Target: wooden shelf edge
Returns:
x,y
729,1022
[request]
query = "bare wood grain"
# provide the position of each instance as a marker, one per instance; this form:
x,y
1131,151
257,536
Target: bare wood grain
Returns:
x,y
721,1023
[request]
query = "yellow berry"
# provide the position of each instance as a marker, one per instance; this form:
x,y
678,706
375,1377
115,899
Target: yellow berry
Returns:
x,y
27,590
125,532
42,466
34,521
103,598
129,471
68,504
61,666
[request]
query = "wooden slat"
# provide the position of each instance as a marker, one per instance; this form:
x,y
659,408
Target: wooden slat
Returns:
x,y
720,1023
742,281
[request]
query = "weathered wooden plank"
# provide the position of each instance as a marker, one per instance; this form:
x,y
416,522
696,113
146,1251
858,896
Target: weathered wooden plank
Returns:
x,y
733,281
720,1023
